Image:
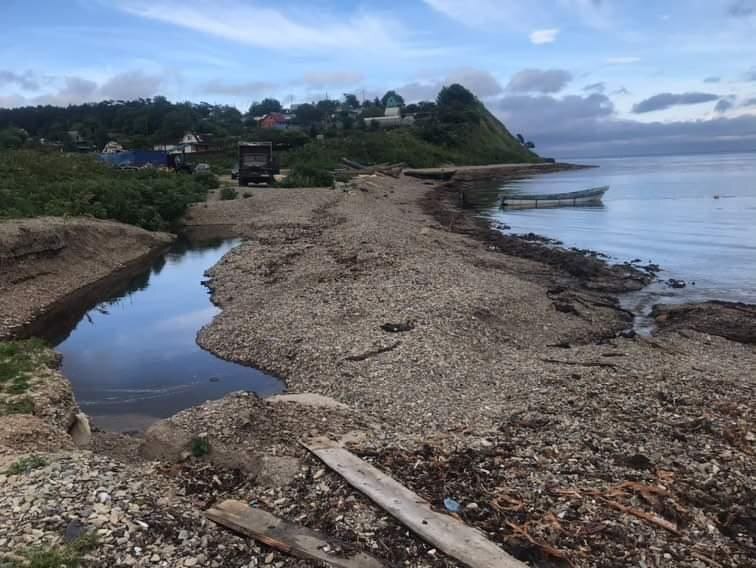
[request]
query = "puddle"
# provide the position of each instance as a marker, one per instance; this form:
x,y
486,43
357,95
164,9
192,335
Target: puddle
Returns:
x,y
131,353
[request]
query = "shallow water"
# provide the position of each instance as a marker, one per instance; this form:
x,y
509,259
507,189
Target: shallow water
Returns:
x,y
133,357
695,216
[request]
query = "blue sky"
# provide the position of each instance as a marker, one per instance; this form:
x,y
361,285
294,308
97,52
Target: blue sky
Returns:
x,y
577,76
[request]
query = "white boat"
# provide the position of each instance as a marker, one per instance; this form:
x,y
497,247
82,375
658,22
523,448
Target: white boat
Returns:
x,y
585,197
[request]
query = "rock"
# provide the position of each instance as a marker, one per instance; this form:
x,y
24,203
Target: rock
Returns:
x,y
165,441
80,431
190,562
233,458
74,530
307,399
278,471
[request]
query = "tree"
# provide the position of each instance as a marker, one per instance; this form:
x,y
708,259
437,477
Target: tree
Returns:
x,y
308,114
351,101
455,96
12,138
521,138
530,145
327,107
397,97
266,106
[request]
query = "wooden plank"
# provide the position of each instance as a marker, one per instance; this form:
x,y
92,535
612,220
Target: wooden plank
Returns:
x,y
277,533
452,536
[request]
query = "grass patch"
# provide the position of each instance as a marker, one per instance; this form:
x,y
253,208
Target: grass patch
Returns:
x,y
37,183
22,405
200,447
67,556
227,193
18,359
25,465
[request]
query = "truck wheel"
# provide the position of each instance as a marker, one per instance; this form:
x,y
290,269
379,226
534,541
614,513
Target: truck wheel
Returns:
x,y
242,182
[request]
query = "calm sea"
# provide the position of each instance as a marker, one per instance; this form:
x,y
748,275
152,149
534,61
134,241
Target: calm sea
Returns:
x,y
695,216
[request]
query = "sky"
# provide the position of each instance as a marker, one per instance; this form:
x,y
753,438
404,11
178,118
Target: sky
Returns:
x,y
578,77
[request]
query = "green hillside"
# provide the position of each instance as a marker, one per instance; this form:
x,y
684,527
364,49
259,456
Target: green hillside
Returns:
x,y
457,130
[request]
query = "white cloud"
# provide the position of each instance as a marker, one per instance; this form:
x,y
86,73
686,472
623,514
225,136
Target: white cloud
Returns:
x,y
271,28
249,88
539,81
481,83
622,60
130,85
516,14
321,79
539,37
71,89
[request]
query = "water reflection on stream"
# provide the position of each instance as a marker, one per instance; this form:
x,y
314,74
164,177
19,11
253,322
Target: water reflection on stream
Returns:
x,y
133,357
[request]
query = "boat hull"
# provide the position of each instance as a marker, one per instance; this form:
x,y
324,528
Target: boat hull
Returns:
x,y
573,199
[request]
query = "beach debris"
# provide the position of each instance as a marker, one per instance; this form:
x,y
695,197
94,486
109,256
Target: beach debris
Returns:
x,y
402,327
445,532
451,505
581,363
675,283
286,537
373,352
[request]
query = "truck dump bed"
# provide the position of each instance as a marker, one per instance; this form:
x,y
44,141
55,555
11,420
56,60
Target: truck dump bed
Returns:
x,y
256,163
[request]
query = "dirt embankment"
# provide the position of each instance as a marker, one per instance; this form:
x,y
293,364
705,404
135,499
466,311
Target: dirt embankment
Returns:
x,y
45,260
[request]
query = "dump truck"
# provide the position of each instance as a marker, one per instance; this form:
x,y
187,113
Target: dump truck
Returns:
x,y
256,163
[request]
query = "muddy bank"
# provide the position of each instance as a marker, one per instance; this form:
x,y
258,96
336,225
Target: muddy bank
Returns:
x,y
734,321
587,270
46,261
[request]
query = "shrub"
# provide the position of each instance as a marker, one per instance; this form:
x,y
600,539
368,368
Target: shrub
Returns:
x,y
208,180
25,465
35,183
200,447
69,555
228,193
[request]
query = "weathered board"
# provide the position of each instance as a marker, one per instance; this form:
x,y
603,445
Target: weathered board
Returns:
x,y
448,534
284,536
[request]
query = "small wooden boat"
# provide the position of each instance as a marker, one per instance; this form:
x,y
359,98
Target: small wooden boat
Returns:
x,y
585,197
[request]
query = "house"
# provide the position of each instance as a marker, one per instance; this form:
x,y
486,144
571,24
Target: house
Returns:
x,y
392,116
166,148
113,147
76,137
275,120
193,142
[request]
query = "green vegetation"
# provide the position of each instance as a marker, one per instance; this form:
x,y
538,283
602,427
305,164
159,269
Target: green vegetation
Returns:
x,y
66,556
456,128
25,465
18,359
36,183
200,447
23,405
228,193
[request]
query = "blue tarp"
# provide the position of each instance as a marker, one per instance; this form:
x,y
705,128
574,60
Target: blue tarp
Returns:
x,y
136,158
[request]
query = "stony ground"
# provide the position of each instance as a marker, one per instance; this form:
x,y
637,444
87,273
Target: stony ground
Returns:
x,y
469,367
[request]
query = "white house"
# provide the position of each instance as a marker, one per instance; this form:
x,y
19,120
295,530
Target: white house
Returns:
x,y
113,147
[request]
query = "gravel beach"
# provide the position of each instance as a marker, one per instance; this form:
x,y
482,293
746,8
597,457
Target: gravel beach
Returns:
x,y
496,372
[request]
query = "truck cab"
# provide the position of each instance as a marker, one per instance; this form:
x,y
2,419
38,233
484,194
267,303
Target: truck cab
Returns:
x,y
256,163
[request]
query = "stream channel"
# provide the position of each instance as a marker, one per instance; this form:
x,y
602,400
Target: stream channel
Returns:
x,y
130,350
